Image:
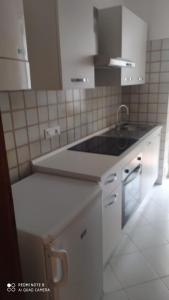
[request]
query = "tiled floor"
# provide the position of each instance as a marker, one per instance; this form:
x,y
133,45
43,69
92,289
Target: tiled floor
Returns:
x,y
139,268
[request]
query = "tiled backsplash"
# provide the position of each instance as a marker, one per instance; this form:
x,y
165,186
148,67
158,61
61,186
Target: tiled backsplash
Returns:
x,y
25,115
149,102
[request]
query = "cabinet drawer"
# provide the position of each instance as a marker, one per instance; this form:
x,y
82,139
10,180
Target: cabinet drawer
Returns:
x,y
110,181
112,215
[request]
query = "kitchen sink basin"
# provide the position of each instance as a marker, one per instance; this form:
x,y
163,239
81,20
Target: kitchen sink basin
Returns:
x,y
129,130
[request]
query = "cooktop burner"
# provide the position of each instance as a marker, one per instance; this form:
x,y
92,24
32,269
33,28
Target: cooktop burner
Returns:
x,y
105,145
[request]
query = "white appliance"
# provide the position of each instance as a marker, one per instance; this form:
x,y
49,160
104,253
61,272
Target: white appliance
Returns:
x,y
60,236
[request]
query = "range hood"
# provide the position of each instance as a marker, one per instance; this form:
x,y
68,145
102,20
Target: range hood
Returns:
x,y
109,40
102,61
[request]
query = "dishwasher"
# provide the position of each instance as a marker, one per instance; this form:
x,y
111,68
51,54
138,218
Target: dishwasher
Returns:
x,y
131,191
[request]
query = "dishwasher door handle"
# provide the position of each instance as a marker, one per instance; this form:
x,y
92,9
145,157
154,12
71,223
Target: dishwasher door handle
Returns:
x,y
115,196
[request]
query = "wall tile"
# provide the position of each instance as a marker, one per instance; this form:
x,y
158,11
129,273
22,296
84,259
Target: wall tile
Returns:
x,y
17,101
7,121
165,55
9,141
32,116
165,44
52,112
23,154
51,96
33,133
155,56
30,99
19,119
35,149
41,98
4,102
156,45
43,114
12,159
21,137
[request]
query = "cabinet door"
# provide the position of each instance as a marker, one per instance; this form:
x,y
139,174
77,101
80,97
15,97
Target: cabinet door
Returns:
x,y
82,241
150,164
112,221
134,37
12,30
77,43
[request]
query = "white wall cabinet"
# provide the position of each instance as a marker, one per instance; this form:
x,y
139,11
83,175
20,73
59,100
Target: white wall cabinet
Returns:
x,y
121,34
150,164
112,221
61,45
14,66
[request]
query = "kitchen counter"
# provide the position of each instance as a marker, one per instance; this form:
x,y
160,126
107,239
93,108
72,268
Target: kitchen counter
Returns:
x,y
88,166
44,205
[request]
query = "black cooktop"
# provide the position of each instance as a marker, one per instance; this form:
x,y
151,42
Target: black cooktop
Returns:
x,y
105,145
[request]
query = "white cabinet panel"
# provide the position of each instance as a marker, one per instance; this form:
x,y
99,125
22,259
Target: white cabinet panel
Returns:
x,y
12,30
112,221
134,37
62,57
14,75
82,241
150,164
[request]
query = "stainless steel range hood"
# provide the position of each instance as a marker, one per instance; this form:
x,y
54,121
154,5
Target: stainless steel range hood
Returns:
x,y
102,61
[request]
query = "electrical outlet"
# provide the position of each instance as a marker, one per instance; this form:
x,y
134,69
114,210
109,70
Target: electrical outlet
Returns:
x,y
51,132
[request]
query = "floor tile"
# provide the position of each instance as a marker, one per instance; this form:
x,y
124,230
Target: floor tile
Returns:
x,y
132,269
120,295
166,281
110,282
147,236
159,259
154,290
125,246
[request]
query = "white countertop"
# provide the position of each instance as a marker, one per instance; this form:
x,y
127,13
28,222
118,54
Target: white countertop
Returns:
x,y
84,165
44,204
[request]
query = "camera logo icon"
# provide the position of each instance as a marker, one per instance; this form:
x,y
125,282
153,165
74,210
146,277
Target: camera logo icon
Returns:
x,y
11,287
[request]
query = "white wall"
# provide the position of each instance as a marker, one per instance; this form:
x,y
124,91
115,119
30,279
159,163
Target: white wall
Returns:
x,y
154,12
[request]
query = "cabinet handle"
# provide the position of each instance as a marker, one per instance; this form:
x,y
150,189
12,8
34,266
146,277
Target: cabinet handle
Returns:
x,y
140,78
131,78
63,257
20,51
112,178
83,80
115,196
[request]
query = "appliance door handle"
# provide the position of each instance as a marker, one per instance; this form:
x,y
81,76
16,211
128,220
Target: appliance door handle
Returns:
x,y
63,257
133,174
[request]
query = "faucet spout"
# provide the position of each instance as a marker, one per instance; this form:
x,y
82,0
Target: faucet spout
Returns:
x,y
123,106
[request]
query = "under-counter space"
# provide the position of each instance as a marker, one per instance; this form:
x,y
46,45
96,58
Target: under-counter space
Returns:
x,y
88,166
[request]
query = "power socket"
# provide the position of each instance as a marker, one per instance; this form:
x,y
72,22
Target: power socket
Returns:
x,y
51,132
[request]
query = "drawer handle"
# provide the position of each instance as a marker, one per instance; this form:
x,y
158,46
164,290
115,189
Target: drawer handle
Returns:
x,y
112,178
83,80
115,196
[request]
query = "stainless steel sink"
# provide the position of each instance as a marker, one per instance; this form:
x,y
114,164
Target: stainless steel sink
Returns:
x,y
129,130
128,127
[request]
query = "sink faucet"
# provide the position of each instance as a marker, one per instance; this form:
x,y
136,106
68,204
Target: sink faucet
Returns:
x,y
119,109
